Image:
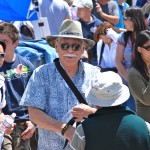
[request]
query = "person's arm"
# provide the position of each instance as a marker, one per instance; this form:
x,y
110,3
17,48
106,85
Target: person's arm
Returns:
x,y
119,61
47,122
110,18
138,88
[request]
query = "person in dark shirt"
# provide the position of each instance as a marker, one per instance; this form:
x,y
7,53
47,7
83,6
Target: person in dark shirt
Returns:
x,y
89,24
17,72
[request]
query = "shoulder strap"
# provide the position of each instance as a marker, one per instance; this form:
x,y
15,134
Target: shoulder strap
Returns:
x,y
1,89
69,82
102,50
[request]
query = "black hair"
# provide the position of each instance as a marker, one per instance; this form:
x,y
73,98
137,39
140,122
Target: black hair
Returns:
x,y
3,45
138,63
137,17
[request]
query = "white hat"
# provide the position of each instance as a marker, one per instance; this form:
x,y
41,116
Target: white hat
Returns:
x,y
108,90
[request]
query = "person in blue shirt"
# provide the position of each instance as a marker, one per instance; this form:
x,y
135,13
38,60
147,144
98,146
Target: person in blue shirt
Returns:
x,y
89,24
17,72
48,95
122,6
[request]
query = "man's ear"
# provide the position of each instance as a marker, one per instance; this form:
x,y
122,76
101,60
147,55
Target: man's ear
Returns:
x,y
56,45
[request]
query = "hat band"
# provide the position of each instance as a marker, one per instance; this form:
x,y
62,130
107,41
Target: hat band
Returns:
x,y
70,33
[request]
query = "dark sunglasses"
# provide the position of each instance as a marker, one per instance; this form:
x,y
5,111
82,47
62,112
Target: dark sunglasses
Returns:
x,y
2,55
127,18
74,46
146,47
103,32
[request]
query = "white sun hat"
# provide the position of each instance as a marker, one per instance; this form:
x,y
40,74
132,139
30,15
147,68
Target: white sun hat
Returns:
x,y
108,90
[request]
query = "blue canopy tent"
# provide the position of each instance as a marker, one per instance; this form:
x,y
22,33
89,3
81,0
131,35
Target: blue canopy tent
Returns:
x,y
17,10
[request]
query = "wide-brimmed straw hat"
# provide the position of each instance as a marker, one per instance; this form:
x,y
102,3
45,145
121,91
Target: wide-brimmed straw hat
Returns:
x,y
102,28
108,90
70,29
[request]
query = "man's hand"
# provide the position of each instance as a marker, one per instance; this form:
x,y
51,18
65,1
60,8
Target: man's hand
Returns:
x,y
98,8
82,111
27,134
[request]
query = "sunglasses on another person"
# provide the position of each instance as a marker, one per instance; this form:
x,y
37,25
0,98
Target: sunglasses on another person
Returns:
x,y
146,47
74,46
2,55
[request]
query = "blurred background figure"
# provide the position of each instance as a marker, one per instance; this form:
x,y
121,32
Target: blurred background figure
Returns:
x,y
107,10
73,9
106,39
56,11
89,24
134,23
139,75
122,6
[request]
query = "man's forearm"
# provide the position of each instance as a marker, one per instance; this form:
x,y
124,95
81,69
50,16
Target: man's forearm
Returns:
x,y
44,121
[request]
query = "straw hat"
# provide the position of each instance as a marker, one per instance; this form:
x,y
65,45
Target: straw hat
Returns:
x,y
108,90
70,29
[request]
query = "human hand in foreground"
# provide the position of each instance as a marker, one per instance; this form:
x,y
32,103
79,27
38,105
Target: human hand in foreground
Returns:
x,y
81,111
27,134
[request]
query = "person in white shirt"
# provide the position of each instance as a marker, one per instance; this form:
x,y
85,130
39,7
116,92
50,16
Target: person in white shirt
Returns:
x,y
106,39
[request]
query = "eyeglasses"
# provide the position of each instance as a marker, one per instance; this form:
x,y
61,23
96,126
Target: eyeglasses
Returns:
x,y
127,18
146,47
74,46
2,55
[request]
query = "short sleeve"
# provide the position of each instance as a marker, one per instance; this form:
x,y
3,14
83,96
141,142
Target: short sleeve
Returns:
x,y
121,39
35,94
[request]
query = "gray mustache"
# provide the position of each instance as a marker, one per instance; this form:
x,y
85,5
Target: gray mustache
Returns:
x,y
70,55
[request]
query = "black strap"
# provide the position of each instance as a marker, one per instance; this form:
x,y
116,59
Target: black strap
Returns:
x,y
2,94
72,87
69,82
101,55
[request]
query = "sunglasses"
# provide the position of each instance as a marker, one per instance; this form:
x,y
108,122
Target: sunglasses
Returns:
x,y
2,55
74,46
103,32
127,18
146,47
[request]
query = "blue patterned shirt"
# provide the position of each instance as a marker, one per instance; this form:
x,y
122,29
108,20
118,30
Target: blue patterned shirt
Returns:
x,y
48,91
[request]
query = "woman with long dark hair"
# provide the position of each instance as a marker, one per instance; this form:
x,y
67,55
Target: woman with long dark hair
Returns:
x,y
139,75
134,23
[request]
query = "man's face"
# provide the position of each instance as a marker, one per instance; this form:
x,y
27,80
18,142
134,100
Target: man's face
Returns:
x,y
10,45
69,50
83,12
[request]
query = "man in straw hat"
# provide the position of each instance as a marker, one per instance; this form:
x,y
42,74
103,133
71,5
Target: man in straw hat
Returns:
x,y
48,97
112,127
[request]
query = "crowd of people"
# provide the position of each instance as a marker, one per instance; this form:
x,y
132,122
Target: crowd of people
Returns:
x,y
84,86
